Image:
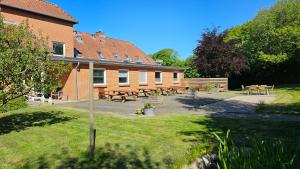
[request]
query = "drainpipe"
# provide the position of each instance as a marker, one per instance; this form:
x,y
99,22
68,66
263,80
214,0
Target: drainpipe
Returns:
x,y
76,81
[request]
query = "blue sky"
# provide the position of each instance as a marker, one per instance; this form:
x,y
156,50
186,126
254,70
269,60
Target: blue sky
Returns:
x,y
156,24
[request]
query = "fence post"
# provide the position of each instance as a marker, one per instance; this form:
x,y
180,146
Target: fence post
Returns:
x,y
91,94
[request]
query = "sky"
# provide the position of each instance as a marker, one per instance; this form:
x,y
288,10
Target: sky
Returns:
x,y
153,25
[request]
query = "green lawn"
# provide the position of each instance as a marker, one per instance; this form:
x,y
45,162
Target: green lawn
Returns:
x,y
53,137
287,101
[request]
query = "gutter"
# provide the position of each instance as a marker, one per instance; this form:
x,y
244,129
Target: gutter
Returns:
x,y
111,63
76,80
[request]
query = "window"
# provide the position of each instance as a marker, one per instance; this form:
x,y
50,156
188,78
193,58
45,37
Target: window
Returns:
x,y
127,58
138,60
158,77
143,77
58,49
99,76
175,77
77,53
123,77
117,57
100,55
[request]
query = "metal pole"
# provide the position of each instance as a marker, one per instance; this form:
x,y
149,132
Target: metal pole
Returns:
x,y
91,93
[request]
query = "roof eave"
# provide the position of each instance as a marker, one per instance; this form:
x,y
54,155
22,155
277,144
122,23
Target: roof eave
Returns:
x,y
111,63
40,13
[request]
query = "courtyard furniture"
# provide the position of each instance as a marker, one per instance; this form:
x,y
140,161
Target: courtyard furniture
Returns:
x,y
164,91
123,94
258,89
179,89
147,91
252,89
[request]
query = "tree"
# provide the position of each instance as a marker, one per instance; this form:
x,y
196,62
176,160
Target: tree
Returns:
x,y
191,70
215,57
169,57
25,63
271,43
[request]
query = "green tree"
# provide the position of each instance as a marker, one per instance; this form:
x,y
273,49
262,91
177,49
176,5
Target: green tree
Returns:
x,y
169,57
25,63
191,70
271,42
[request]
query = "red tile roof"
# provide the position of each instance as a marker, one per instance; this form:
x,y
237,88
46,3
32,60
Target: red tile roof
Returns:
x,y
41,7
90,45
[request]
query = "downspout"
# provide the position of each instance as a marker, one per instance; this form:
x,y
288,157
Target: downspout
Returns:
x,y
76,81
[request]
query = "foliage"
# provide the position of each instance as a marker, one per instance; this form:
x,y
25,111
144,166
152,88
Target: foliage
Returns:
x,y
25,63
169,57
191,71
215,57
258,154
148,106
271,43
15,104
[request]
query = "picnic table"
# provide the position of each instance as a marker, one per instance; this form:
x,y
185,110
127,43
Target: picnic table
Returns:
x,y
147,91
165,90
123,94
258,88
179,89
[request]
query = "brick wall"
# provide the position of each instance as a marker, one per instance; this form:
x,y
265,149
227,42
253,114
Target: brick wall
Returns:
x,y
112,80
53,29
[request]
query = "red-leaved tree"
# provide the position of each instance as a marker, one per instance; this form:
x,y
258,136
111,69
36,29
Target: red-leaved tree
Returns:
x,y
217,58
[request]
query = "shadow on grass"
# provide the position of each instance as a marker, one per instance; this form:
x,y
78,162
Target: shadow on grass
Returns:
x,y
243,130
280,108
106,157
21,121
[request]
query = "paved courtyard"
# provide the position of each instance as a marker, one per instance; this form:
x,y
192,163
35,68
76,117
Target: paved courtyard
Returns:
x,y
204,103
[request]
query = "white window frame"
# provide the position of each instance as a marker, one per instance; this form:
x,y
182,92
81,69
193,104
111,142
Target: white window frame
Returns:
x,y
64,49
176,81
146,77
161,77
100,84
127,83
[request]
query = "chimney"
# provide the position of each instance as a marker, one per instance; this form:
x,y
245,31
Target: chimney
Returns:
x,y
100,34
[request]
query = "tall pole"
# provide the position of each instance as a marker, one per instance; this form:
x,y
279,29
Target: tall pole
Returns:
x,y
91,93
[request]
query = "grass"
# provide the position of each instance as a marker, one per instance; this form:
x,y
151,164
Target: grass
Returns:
x,y
287,101
55,137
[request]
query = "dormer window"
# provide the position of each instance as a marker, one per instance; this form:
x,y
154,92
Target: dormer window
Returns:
x,y
100,55
138,60
117,57
79,39
127,58
77,53
149,60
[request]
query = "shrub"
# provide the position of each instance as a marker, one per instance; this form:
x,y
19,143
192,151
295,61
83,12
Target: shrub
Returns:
x,y
258,154
148,106
15,104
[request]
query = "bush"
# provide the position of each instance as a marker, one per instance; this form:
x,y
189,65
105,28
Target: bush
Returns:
x,y
258,154
15,104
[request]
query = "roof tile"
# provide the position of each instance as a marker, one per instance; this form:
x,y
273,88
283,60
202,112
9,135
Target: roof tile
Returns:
x,y
92,44
41,7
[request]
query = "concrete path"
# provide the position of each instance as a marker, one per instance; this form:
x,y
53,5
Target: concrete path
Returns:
x,y
224,104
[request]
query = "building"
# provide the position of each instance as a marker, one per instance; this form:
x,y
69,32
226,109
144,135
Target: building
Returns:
x,y
117,64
